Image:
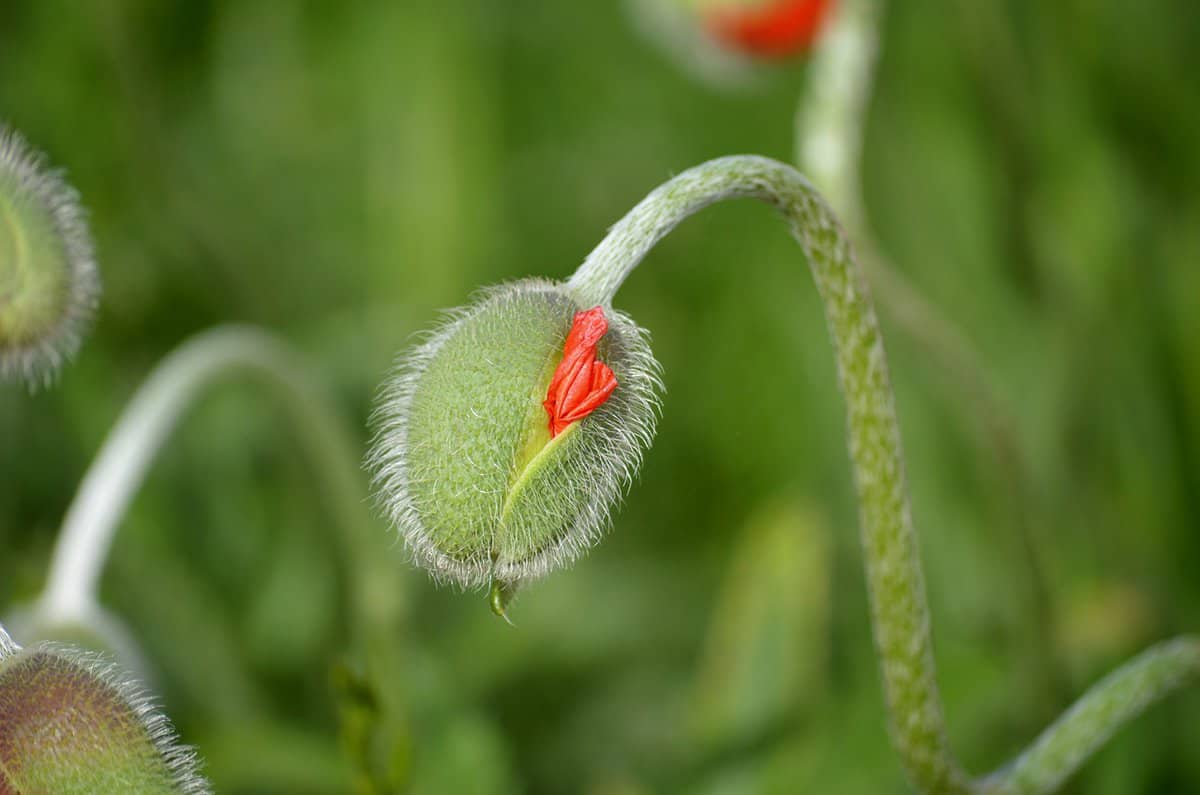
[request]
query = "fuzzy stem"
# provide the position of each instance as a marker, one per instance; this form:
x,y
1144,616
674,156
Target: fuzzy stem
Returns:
x,y
1097,716
900,614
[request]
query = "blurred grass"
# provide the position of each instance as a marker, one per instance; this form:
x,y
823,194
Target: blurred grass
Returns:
x,y
339,172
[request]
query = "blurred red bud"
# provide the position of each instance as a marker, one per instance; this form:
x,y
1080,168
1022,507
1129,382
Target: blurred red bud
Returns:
x,y
773,29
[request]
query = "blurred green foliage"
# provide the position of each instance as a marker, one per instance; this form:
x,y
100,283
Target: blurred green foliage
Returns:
x,y
338,172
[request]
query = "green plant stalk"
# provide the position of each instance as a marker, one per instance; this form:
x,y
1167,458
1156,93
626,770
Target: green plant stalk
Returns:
x,y
899,610
829,129
128,452
1111,703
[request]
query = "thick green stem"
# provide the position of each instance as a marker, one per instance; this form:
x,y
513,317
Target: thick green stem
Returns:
x,y
900,614
1111,703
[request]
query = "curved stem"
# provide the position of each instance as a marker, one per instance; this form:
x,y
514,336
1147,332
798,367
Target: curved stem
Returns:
x,y
1106,707
899,611
375,608
125,458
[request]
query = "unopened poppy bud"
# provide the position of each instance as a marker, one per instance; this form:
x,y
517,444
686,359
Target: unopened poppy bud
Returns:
x,y
505,439
48,280
69,724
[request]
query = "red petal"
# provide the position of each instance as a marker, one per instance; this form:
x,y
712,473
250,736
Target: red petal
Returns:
x,y
576,381
580,384
603,384
586,330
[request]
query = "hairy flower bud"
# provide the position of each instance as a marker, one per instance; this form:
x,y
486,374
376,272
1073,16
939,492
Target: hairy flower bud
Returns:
x,y
493,476
48,279
69,724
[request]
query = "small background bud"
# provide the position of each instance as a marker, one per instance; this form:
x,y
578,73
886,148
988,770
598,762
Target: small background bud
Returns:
x,y
48,279
463,460
69,724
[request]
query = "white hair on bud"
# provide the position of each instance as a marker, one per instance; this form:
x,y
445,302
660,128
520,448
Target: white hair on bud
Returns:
x,y
38,359
7,645
180,761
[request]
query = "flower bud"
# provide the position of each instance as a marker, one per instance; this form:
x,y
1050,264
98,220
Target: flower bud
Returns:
x,y
505,438
68,724
48,279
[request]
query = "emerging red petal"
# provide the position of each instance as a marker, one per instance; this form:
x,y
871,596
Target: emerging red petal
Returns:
x,y
580,384
776,29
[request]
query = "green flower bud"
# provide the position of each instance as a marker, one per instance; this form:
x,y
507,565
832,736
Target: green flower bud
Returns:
x,y
70,725
48,279
489,478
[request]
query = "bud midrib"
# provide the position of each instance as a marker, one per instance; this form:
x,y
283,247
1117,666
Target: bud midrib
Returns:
x,y
524,474
526,464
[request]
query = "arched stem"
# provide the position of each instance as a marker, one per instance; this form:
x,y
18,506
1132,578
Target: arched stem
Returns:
x,y
899,610
131,447
375,606
900,614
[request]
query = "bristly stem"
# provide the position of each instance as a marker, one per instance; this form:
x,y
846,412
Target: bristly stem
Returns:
x,y
900,614
899,609
1111,703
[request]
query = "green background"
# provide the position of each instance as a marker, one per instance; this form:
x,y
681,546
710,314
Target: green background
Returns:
x,y
340,172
